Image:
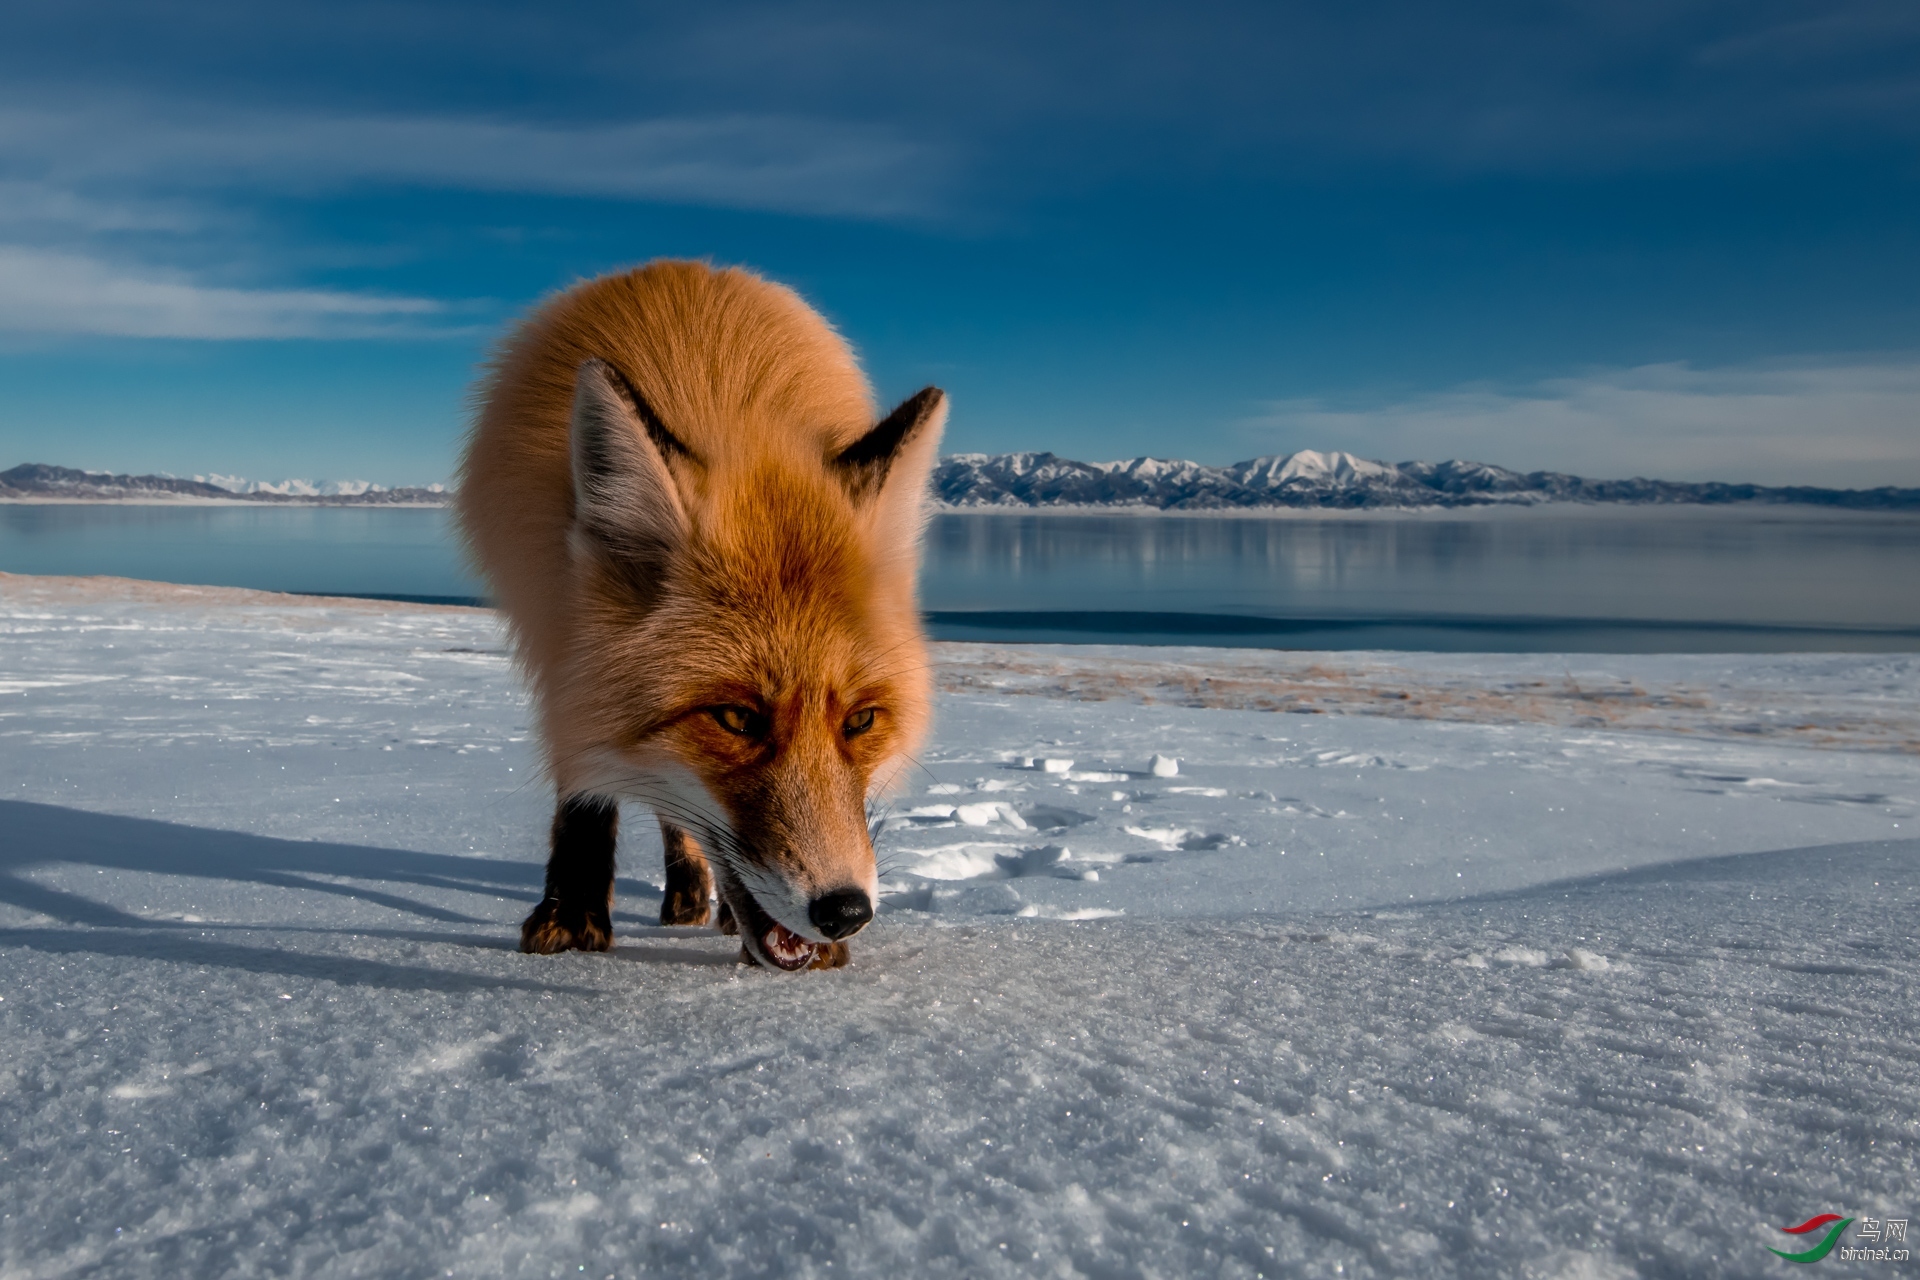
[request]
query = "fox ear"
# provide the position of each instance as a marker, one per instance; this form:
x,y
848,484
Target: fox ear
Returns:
x,y
885,471
624,493
903,442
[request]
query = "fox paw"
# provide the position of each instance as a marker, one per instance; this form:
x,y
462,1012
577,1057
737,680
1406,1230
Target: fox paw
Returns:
x,y
553,928
682,907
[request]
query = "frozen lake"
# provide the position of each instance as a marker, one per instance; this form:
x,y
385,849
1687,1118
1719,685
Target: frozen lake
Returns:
x,y
1602,579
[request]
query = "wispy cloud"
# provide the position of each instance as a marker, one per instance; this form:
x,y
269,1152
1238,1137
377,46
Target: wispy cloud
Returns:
x,y
99,204
778,163
1849,422
51,292
39,207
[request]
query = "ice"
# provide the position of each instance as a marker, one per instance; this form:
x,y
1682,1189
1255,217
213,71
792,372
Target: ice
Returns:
x,y
1163,766
989,813
965,861
1562,993
1581,958
1035,911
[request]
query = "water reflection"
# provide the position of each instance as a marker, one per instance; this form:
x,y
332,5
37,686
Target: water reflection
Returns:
x,y
1768,569
1640,578
328,550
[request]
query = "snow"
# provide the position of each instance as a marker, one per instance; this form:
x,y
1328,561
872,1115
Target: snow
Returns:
x,y
298,488
1330,482
1310,464
1479,965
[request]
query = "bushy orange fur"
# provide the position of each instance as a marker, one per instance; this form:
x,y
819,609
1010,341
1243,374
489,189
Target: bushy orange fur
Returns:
x,y
790,589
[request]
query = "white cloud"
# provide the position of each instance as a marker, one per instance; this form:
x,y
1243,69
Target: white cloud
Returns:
x,y
43,207
53,292
74,182
70,179
778,163
1848,422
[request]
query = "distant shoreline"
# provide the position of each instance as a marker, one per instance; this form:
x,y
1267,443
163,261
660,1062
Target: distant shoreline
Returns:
x,y
258,504
1473,512
1305,485
1482,511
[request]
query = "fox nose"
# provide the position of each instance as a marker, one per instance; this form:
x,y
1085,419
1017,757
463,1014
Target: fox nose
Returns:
x,y
840,915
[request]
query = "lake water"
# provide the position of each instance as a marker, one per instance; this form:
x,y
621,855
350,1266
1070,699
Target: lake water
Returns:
x,y
1599,580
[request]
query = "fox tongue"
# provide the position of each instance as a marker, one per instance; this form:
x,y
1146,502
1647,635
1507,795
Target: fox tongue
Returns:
x,y
786,948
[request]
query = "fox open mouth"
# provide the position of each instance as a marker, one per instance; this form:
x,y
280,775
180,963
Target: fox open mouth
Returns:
x,y
786,948
772,943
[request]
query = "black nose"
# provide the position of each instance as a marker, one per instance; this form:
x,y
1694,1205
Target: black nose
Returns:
x,y
840,915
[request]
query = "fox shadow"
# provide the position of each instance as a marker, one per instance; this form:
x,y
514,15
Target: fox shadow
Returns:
x,y
41,836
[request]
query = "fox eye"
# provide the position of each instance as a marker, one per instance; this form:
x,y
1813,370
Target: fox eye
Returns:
x,y
743,721
858,723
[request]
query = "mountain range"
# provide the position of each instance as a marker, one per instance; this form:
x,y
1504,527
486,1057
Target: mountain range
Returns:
x,y
1310,479
1040,481
36,480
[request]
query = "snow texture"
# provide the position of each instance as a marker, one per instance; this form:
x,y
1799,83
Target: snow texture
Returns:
x,y
1496,987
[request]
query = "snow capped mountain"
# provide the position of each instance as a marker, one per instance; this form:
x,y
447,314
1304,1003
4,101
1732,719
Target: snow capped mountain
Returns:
x,y
1309,466
304,488
1305,479
39,481
1000,481
1310,478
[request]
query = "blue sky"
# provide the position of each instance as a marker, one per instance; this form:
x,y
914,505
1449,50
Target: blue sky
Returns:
x,y
1677,239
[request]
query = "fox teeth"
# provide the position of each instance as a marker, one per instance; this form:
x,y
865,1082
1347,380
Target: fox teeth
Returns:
x,y
786,948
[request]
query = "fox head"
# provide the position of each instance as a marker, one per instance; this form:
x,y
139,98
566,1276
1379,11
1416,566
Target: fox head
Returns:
x,y
747,657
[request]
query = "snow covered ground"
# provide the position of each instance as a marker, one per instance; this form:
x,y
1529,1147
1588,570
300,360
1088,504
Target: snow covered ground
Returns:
x,y
1582,967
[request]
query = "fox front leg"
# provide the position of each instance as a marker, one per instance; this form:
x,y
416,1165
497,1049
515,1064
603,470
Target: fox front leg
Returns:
x,y
577,911
689,883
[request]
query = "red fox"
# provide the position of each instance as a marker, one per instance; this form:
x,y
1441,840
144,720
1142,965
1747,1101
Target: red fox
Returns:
x,y
705,548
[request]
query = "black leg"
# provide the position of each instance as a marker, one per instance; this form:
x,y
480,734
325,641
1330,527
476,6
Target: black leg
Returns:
x,y
577,911
689,884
